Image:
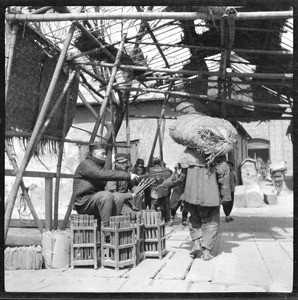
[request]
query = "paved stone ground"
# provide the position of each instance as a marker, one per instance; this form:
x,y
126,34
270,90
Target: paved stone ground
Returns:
x,y
254,253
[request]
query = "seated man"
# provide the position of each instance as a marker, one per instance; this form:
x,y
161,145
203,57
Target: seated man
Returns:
x,y
122,190
89,195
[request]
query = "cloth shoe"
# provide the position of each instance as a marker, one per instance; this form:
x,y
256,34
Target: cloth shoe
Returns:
x,y
196,248
206,254
228,219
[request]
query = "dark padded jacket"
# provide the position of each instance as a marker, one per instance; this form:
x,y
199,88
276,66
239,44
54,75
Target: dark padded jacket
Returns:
x,y
90,177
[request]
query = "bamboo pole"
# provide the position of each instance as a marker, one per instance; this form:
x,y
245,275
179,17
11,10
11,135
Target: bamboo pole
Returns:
x,y
41,10
59,164
24,190
285,76
259,15
109,88
99,78
33,141
238,50
154,39
11,53
158,132
241,103
90,108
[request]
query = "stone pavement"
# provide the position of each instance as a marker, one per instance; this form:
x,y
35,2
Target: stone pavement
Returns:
x,y
254,253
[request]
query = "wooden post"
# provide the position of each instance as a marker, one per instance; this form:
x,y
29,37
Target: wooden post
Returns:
x,y
108,91
59,164
12,46
48,203
33,141
24,190
127,128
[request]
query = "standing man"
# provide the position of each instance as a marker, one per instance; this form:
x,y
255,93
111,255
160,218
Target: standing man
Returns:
x,y
206,188
89,195
228,206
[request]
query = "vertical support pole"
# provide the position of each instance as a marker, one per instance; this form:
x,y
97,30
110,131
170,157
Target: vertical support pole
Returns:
x,y
127,128
158,129
48,203
59,164
33,141
11,52
108,91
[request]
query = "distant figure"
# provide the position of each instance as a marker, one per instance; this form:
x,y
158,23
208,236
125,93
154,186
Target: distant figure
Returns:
x,y
175,184
139,167
160,174
228,206
277,172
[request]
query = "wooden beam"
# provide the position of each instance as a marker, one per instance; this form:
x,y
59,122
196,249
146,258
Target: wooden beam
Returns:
x,y
39,174
56,17
241,103
239,50
286,76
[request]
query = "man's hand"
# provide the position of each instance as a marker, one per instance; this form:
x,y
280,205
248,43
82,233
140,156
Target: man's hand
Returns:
x,y
134,176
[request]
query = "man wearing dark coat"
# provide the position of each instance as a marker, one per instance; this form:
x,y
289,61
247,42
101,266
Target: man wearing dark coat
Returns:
x,y
89,195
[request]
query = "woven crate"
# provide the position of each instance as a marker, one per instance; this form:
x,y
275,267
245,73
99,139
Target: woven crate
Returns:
x,y
84,241
120,250
155,240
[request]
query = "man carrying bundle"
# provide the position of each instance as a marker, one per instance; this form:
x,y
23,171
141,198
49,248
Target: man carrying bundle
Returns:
x,y
89,195
206,188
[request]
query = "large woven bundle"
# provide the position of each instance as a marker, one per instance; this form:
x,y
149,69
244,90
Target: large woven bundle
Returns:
x,y
23,258
212,136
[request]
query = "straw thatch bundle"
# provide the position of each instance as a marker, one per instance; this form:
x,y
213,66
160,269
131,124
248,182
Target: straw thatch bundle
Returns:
x,y
23,258
212,136
31,74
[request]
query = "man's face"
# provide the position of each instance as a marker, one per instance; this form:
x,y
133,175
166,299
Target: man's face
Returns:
x,y
100,154
121,165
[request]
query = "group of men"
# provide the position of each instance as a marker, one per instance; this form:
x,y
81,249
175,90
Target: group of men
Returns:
x,y
203,188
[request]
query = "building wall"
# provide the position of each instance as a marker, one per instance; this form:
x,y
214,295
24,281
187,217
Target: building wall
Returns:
x,y
281,148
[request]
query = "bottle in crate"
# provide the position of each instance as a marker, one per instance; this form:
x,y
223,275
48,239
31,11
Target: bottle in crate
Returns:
x,y
155,240
118,247
84,241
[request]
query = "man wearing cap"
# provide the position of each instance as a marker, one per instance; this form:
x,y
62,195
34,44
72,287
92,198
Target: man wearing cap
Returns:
x,y
89,195
121,189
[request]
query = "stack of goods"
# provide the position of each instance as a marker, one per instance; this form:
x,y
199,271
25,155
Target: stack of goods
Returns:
x,y
120,249
56,248
155,239
84,241
211,136
23,258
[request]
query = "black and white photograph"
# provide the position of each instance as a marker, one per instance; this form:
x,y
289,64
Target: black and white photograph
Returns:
x,y
149,149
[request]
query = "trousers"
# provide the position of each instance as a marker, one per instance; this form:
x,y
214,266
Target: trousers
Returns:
x,y
203,224
228,206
